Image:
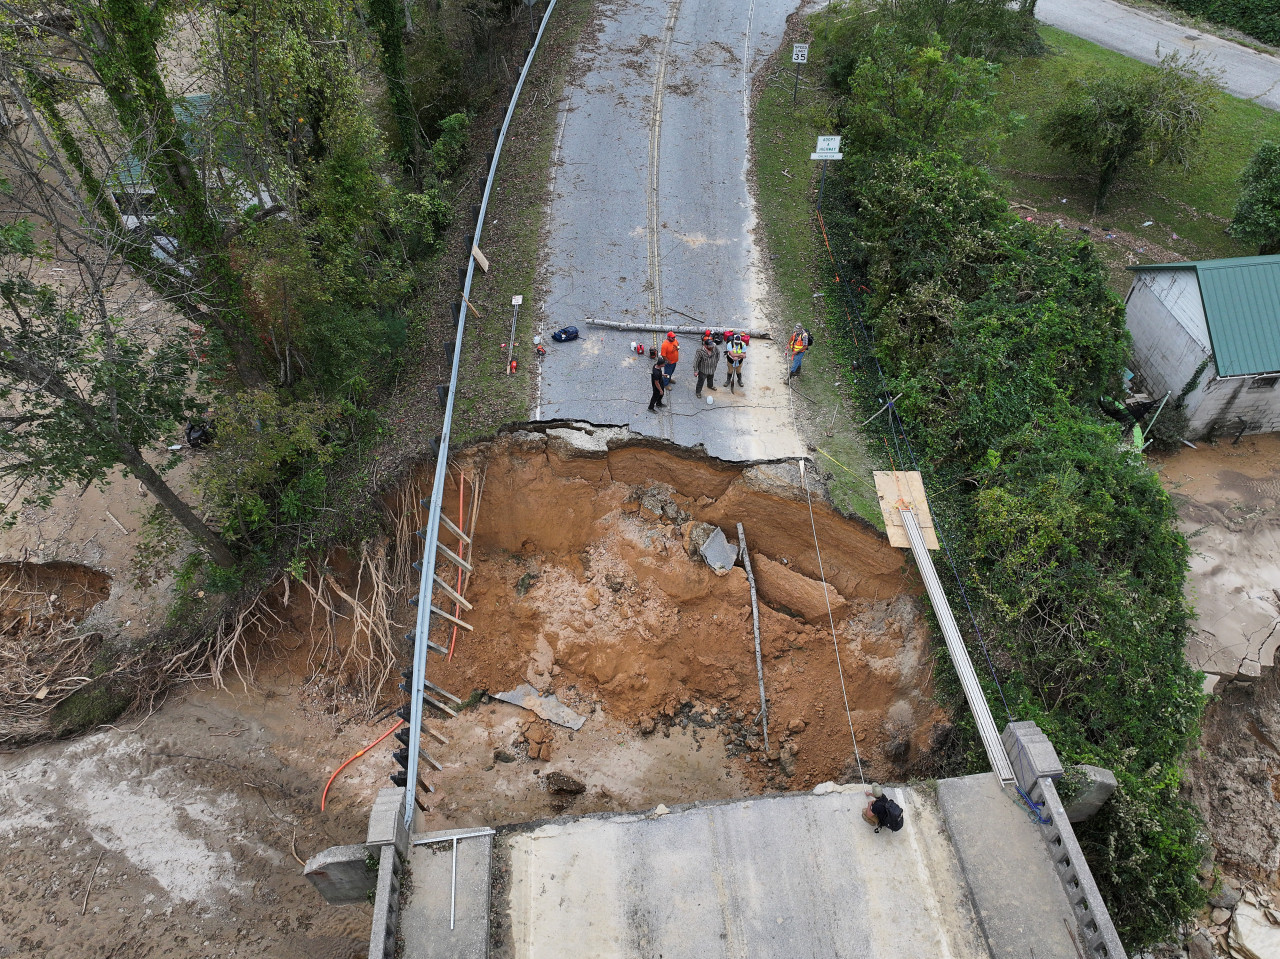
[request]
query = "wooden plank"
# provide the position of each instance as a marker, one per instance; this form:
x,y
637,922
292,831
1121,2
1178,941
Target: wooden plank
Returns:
x,y
451,618
895,487
448,524
435,735
452,593
453,557
482,261
439,705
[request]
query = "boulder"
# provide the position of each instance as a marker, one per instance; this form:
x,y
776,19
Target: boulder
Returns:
x,y
1252,934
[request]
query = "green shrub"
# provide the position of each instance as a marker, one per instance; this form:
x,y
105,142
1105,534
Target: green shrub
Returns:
x,y
450,146
1001,335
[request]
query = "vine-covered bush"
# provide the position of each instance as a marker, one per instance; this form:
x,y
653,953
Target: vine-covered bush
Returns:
x,y
1001,335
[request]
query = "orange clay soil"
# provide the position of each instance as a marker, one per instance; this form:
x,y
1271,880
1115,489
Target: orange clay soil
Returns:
x,y
587,585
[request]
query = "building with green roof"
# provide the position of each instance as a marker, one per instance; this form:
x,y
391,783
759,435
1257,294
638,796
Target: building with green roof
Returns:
x,y
1211,328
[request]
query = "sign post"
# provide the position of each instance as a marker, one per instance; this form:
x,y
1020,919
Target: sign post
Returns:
x,y
799,55
511,343
828,148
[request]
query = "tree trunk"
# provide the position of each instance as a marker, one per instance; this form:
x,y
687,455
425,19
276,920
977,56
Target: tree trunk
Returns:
x,y
44,379
122,38
184,514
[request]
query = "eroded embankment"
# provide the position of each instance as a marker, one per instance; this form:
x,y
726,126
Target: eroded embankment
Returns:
x,y
587,584
44,657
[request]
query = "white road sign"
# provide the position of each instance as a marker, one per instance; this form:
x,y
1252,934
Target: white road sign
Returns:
x,y
828,149
799,53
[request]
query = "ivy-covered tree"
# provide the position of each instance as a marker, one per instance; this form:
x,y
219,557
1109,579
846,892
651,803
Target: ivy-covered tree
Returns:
x,y
55,58
1106,123
1256,218
85,387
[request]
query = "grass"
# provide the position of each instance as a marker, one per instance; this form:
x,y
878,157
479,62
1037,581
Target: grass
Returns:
x,y
1188,209
489,396
782,137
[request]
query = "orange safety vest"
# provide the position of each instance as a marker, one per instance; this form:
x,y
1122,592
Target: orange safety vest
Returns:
x,y
797,343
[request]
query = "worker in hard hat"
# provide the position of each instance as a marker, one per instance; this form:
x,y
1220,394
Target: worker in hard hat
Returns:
x,y
734,354
670,356
706,361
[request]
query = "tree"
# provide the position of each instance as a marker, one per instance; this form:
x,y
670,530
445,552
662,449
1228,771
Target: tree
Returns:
x,y
1256,218
55,59
909,99
84,386
1156,115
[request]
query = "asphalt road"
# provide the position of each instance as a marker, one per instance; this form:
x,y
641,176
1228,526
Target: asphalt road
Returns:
x,y
1136,33
650,213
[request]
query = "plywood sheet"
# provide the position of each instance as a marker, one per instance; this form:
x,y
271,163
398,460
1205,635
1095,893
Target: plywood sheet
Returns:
x,y
894,488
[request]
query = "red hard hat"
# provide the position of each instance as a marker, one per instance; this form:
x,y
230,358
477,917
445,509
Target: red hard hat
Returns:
x,y
670,335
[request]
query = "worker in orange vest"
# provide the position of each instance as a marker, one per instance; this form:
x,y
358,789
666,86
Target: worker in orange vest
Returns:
x,y
801,340
670,356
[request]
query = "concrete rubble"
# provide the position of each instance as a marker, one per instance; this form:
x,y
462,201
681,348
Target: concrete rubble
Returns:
x,y
546,706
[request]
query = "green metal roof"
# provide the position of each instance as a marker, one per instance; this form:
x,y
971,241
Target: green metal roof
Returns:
x,y
189,112
1241,298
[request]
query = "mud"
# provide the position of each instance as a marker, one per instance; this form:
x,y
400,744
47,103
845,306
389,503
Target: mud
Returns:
x,y
185,827
1228,499
61,591
589,586
1235,778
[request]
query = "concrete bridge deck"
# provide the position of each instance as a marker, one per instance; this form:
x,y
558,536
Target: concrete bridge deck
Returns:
x,y
788,876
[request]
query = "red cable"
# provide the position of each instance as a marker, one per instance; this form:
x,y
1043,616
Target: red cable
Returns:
x,y
324,795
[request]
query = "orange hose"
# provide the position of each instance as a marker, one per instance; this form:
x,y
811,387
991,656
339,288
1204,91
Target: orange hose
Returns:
x,y
324,795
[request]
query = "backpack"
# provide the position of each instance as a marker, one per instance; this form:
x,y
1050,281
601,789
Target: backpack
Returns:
x,y
892,815
808,341
565,334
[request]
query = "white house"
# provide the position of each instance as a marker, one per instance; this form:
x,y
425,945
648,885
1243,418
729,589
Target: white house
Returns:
x,y
1212,328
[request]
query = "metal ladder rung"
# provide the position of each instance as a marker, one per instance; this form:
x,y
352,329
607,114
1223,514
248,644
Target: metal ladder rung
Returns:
x,y
451,618
452,593
439,705
448,524
453,557
443,692
437,649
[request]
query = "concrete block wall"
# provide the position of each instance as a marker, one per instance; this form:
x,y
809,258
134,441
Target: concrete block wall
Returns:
x,y
390,838
1099,934
1219,405
1036,766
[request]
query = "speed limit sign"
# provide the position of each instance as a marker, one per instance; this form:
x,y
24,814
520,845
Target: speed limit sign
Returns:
x,y
800,53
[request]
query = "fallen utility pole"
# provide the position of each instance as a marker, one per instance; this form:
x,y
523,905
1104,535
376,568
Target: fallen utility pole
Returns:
x,y
683,330
755,622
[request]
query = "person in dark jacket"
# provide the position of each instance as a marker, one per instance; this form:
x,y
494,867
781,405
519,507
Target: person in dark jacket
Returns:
x,y
657,377
705,362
